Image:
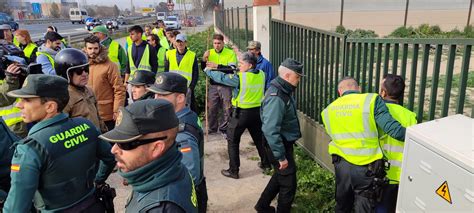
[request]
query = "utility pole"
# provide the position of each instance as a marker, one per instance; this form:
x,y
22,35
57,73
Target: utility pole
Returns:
x,y
406,13
469,14
342,13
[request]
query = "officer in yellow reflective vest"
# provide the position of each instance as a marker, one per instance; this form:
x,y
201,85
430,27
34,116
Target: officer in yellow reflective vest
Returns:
x,y
391,90
351,121
8,111
154,42
219,95
116,52
247,95
184,62
140,57
24,43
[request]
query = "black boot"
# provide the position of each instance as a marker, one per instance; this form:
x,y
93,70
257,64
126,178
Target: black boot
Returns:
x,y
229,173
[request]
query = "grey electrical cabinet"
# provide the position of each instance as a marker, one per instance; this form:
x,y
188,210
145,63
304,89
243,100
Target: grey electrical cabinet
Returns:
x,y
438,167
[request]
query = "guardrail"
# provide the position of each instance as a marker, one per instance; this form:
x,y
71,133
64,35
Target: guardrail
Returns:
x,y
79,37
55,20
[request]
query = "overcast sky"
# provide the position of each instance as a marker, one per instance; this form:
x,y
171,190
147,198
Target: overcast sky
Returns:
x,y
122,4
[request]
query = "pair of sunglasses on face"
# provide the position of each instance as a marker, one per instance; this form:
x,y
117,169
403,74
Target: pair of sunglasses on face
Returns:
x,y
136,143
80,70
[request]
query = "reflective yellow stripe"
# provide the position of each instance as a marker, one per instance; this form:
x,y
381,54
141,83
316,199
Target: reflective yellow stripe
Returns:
x,y
358,151
11,114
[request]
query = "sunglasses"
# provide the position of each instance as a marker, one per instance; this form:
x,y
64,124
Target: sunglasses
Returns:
x,y
136,143
79,71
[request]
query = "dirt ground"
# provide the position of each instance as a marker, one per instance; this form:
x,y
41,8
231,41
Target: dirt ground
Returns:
x,y
225,194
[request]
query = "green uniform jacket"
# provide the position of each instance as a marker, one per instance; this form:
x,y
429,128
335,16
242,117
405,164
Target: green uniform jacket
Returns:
x,y
59,159
6,153
279,118
8,85
122,56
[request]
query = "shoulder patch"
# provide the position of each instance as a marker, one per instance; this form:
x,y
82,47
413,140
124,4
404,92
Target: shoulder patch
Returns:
x,y
186,149
274,94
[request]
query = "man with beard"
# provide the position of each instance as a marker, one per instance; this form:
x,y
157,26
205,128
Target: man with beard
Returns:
x,y
104,80
72,64
148,158
47,52
116,52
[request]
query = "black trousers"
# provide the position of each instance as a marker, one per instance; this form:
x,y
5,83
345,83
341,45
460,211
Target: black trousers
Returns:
x,y
240,120
110,124
201,193
352,186
283,183
388,204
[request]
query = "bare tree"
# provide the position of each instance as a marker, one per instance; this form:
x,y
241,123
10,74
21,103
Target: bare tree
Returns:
x,y
55,11
116,11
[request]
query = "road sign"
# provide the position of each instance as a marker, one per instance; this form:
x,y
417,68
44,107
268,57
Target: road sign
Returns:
x,y
148,9
36,8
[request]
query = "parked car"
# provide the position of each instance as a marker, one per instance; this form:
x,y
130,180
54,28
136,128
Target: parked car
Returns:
x,y
199,20
77,15
121,20
6,19
189,22
173,22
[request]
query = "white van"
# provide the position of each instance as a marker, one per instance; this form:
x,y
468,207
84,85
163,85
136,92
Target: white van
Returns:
x,y
78,15
160,15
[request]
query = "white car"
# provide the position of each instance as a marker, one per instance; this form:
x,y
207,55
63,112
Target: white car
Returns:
x,y
160,15
173,22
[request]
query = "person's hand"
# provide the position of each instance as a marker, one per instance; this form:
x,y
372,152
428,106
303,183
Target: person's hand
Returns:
x,y
283,164
211,65
13,69
205,57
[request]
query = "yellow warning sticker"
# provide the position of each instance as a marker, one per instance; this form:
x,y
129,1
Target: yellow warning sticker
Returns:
x,y
443,191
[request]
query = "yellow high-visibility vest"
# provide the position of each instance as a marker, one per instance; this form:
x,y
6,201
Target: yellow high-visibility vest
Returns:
x,y
144,62
251,90
393,148
29,50
225,57
350,123
185,67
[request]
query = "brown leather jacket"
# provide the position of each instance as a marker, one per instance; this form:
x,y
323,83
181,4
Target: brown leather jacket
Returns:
x,y
107,85
82,103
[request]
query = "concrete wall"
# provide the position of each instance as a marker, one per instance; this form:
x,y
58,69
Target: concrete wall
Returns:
x,y
315,141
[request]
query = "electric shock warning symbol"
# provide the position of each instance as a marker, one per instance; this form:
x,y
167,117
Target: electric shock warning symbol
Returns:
x,y
443,191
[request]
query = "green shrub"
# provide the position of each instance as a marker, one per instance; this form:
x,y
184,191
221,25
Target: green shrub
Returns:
x,y
358,33
340,29
316,186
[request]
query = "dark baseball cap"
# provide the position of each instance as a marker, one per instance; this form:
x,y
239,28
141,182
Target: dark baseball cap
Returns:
x,y
169,82
141,118
142,77
294,65
41,85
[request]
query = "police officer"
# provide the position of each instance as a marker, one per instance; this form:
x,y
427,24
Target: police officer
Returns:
x,y
392,90
172,87
140,82
7,138
351,121
148,158
184,62
73,65
219,95
59,158
281,129
248,86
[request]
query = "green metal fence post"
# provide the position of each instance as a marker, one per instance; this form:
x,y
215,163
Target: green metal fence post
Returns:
x,y
237,38
449,80
414,66
386,59
371,67
378,64
247,28
364,68
233,29
395,58
434,81
463,79
424,72
358,62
